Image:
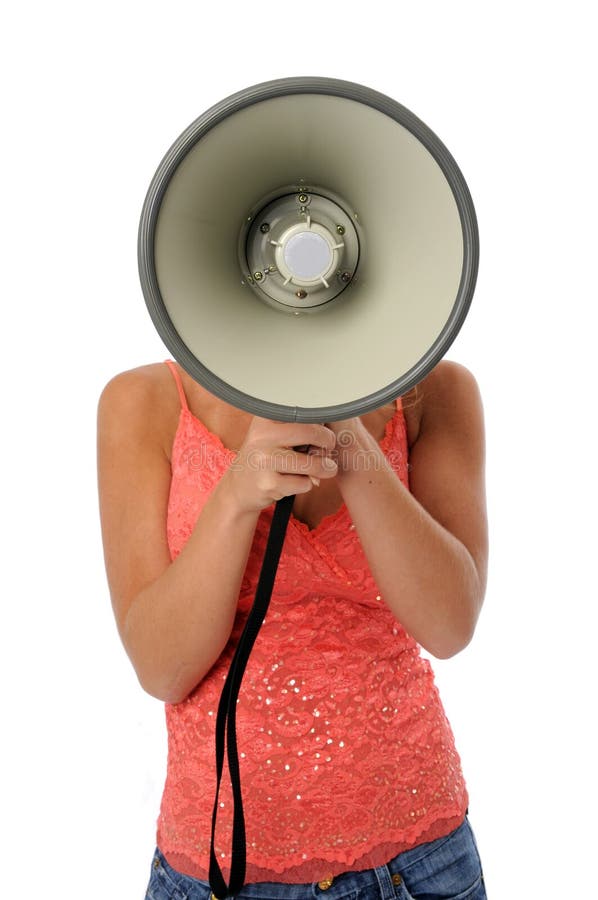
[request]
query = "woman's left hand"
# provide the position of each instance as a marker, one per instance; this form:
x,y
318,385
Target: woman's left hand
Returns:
x,y
352,437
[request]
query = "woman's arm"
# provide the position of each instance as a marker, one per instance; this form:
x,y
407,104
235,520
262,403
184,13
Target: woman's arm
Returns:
x,y
175,618
427,549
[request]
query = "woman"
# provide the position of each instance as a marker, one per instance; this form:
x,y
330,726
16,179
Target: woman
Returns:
x,y
351,781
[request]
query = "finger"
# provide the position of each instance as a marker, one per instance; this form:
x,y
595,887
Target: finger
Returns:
x,y
293,434
286,485
291,462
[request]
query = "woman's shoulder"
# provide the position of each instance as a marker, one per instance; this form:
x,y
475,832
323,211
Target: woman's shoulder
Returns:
x,y
141,402
151,397
450,377
136,390
449,389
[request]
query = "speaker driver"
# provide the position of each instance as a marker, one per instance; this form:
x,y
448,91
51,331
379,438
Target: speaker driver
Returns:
x,y
300,251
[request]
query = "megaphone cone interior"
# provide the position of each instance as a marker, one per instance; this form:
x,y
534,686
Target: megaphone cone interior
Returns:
x,y
308,249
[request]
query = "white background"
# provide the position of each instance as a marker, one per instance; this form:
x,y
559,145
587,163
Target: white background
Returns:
x,y
94,95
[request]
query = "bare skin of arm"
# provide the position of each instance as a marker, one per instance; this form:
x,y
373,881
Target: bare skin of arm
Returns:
x,y
427,548
175,618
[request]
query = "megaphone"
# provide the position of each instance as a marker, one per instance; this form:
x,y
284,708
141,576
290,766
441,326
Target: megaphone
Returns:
x,y
308,249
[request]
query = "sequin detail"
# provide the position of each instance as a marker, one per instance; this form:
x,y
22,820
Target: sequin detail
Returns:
x,y
347,757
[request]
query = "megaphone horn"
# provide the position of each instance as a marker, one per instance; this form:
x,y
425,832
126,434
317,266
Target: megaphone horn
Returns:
x,y
301,220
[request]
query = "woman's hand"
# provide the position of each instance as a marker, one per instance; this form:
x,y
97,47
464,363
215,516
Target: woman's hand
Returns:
x,y
267,467
353,442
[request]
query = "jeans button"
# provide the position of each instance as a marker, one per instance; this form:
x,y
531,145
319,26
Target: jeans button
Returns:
x,y
325,883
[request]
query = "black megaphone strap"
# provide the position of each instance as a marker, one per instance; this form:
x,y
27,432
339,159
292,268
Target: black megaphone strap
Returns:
x,y
227,708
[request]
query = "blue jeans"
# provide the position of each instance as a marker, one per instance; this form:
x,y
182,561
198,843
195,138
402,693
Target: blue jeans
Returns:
x,y
446,869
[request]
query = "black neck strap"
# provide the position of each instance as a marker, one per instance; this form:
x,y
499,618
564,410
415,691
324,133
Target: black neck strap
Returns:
x,y
227,708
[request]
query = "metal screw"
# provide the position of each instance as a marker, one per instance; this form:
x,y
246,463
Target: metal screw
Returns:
x,y
301,294
258,276
302,198
340,229
265,228
346,277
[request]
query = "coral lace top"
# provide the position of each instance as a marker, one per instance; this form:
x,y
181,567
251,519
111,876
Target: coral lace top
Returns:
x,y
346,755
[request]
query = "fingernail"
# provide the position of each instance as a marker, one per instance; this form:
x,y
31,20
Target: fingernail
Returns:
x,y
315,481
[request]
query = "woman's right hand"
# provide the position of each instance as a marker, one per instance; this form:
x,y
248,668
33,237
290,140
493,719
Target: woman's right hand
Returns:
x,y
267,467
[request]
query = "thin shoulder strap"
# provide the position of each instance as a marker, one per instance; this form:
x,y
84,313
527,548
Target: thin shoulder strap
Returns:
x,y
176,375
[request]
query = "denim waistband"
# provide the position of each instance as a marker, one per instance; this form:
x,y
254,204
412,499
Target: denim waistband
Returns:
x,y
416,866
